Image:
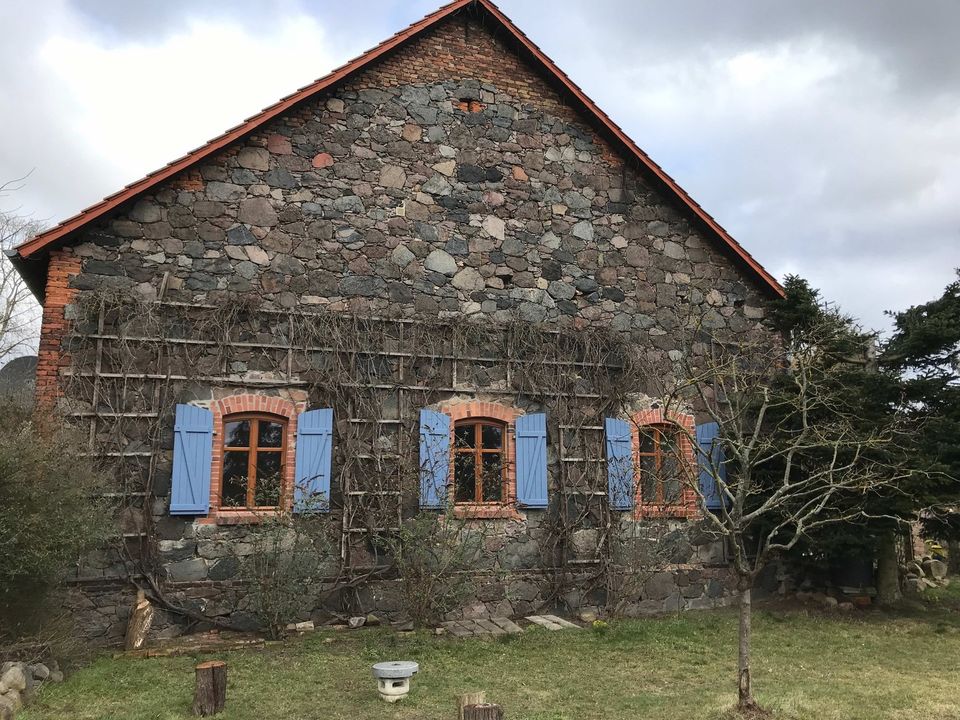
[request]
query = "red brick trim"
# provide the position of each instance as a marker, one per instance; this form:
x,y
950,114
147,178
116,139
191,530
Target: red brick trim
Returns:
x,y
687,507
247,403
505,414
51,360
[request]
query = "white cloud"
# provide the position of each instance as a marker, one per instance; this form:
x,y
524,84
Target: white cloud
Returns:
x,y
115,111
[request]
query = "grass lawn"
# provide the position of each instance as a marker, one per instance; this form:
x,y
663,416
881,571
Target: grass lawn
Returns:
x,y
807,665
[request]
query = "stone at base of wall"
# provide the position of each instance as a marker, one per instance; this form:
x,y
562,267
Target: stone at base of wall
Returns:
x,y
102,608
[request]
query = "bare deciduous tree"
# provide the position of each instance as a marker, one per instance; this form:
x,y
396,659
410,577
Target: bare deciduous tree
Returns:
x,y
19,312
794,457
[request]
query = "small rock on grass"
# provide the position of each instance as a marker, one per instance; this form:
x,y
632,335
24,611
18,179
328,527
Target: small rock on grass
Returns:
x,y
13,678
372,620
356,622
6,708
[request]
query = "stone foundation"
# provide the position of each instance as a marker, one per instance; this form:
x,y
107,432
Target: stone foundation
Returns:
x,y
102,609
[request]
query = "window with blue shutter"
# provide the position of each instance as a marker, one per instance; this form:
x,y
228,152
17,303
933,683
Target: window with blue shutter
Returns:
x,y
434,458
192,460
531,453
711,459
620,489
314,459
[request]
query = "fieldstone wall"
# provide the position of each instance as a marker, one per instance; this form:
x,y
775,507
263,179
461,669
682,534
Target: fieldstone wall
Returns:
x,y
427,189
448,180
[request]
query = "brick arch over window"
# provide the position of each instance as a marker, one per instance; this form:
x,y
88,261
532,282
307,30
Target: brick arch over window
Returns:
x,y
687,505
250,403
476,409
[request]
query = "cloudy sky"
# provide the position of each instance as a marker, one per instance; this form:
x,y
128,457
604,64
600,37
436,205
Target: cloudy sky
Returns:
x,y
824,135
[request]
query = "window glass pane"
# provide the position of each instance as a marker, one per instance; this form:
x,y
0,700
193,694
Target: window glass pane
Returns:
x,y
492,478
233,489
464,436
270,434
492,437
648,478
267,492
671,489
670,467
464,478
237,434
646,441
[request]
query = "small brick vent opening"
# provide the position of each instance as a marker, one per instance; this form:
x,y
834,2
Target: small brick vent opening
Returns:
x,y
469,106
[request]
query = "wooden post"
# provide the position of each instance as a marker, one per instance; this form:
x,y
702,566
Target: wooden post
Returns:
x,y
474,698
210,695
140,621
483,711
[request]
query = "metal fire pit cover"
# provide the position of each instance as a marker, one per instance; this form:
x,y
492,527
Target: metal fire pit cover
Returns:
x,y
395,669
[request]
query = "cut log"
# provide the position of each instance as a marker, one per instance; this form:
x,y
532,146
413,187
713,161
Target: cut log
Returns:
x,y
483,711
210,695
474,698
139,625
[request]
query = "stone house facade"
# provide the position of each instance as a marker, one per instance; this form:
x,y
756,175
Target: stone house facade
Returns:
x,y
354,293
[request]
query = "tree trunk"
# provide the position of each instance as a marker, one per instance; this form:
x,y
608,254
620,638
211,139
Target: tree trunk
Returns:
x,y
745,690
210,695
888,571
486,711
953,557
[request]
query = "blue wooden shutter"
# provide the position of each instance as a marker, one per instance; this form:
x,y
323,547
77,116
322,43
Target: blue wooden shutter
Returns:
x,y
619,463
531,436
711,457
314,459
192,459
434,458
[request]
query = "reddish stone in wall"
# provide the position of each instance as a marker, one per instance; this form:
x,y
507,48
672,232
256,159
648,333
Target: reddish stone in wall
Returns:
x,y
323,160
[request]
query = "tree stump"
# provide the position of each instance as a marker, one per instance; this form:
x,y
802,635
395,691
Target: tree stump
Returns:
x,y
483,711
140,621
210,695
474,698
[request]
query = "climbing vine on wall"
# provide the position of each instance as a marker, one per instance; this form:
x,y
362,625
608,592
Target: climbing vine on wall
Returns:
x,y
132,362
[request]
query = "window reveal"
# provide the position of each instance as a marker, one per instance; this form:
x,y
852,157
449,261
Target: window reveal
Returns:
x,y
253,452
478,461
659,461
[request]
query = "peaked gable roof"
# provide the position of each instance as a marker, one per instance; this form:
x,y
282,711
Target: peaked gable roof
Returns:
x,y
31,257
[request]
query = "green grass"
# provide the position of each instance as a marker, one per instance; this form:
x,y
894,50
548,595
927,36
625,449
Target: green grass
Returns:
x,y
806,665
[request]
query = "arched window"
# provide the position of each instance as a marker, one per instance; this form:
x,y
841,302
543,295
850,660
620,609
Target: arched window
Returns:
x,y
254,448
478,461
661,460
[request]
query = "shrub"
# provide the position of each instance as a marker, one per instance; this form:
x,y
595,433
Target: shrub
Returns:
x,y
430,554
285,568
50,514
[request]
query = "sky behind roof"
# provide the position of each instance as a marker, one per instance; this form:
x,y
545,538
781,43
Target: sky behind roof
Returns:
x,y
824,136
